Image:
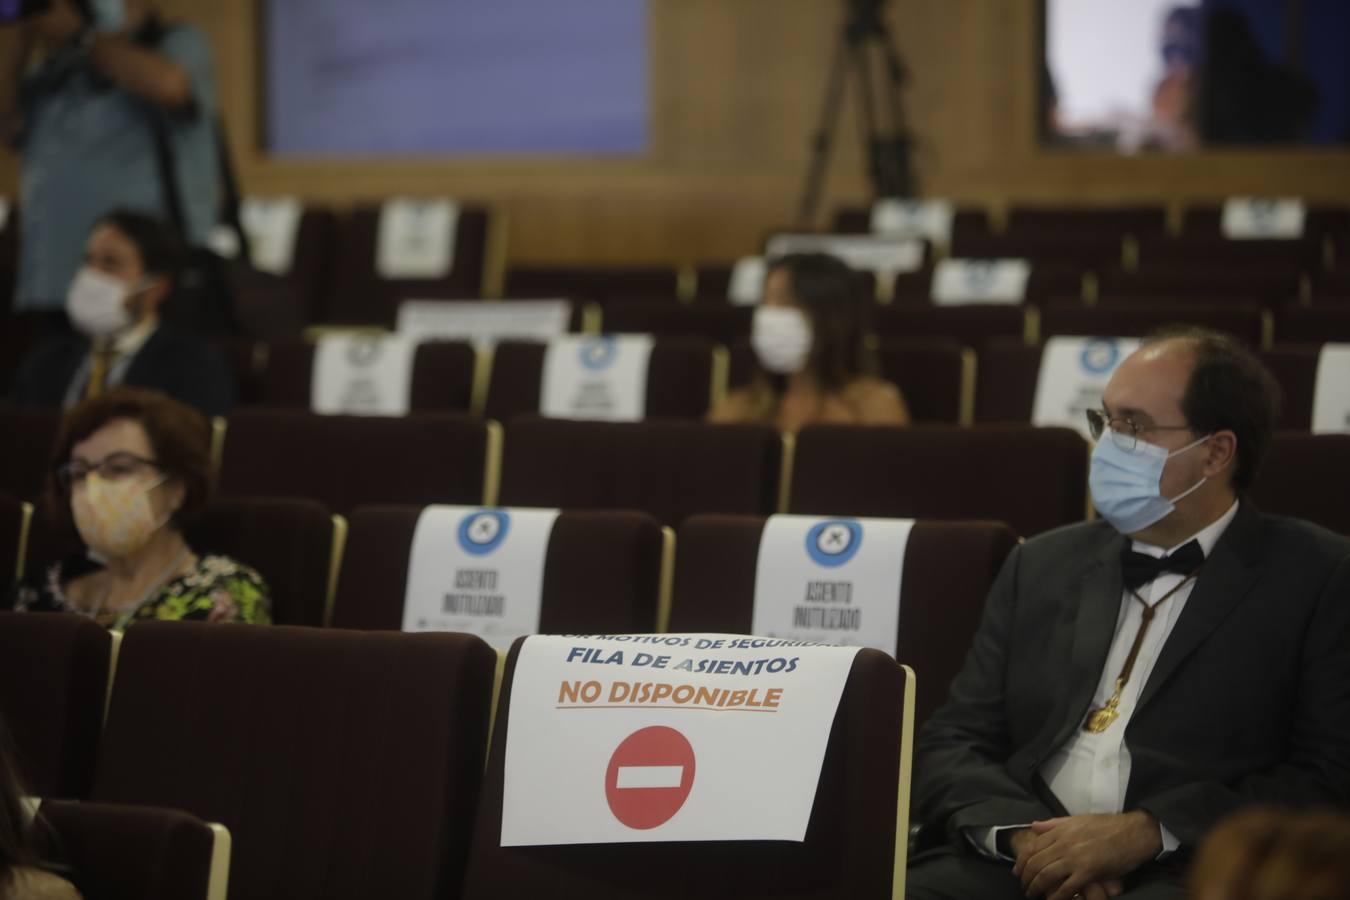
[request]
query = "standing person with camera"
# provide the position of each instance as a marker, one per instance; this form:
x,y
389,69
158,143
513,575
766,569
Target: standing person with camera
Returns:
x,y
87,88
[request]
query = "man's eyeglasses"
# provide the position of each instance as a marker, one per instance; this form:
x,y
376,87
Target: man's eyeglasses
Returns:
x,y
1124,432
114,467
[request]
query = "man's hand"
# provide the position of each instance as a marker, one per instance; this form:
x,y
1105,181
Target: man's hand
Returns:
x,y
59,25
1084,855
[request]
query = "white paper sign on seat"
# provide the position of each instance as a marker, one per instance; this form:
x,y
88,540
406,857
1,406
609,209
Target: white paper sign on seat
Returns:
x,y
484,322
1263,218
479,571
416,238
1331,396
747,280
645,738
960,281
832,580
930,219
884,256
593,377
272,225
363,374
1074,372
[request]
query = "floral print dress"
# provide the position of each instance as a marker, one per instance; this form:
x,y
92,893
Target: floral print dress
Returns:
x,y
218,589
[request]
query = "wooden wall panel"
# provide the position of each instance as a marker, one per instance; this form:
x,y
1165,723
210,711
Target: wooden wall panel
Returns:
x,y
736,87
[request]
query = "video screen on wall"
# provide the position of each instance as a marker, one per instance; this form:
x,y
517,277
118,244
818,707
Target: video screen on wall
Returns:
x,y
438,77
1168,76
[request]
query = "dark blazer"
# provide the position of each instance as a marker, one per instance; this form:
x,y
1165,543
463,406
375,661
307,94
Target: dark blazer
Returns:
x,y
181,365
1249,700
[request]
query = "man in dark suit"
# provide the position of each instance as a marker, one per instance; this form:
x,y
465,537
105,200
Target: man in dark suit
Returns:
x,y
1137,678
114,305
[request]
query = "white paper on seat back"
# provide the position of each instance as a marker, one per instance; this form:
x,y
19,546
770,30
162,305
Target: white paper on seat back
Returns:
x,y
1074,372
1331,396
416,238
885,256
931,219
593,377
1263,218
485,322
638,738
479,571
958,281
832,580
747,281
363,374
272,225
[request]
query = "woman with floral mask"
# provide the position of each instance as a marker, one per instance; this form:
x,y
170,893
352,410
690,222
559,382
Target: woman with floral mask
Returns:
x,y
812,362
131,467
114,305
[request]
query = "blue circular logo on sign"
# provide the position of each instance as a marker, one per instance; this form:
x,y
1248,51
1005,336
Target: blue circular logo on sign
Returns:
x,y
482,532
1100,356
598,354
834,542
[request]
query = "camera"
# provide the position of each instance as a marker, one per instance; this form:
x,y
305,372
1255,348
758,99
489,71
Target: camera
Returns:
x,y
12,11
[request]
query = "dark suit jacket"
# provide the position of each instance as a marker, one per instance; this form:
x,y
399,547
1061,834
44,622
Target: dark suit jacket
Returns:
x,y
179,364
1249,700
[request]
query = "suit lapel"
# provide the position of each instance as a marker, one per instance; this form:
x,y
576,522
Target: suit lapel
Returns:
x,y
1229,573
1098,609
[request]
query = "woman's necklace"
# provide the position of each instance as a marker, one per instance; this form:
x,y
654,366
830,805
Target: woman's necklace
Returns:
x,y
147,595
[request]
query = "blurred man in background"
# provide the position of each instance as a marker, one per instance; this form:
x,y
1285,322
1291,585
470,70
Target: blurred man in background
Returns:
x,y
87,88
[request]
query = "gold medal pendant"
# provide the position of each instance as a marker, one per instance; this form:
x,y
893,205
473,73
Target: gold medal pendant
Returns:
x,y
1100,719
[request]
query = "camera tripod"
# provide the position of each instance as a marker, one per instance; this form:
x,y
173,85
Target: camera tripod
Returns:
x,y
887,153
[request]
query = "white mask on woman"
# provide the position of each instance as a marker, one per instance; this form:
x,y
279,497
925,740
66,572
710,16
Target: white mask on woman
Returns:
x,y
782,338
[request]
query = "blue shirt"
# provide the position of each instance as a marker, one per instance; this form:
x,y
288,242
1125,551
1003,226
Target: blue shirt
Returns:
x,y
88,148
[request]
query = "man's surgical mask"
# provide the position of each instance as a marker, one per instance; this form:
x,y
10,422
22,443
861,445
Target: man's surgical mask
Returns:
x,y
97,304
781,337
1127,484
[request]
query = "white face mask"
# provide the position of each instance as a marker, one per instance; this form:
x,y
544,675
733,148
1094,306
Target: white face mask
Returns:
x,y
97,304
781,337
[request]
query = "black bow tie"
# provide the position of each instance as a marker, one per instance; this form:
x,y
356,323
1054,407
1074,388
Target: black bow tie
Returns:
x,y
1140,568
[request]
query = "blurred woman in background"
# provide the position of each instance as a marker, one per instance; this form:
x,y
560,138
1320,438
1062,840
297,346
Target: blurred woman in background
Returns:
x,y
1275,855
812,362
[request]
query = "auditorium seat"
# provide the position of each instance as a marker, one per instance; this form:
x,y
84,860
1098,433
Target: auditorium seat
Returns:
x,y
16,517
1117,222
850,848
247,362
1295,368
1005,386
25,453
668,469
721,323
359,296
1047,283
442,376
294,544
680,378
54,672
858,220
592,283
344,764
971,325
342,461
1088,250
602,574
1245,321
136,851
713,282
936,375
1285,255
1319,222
1034,479
1207,283
1314,324
1303,475
948,570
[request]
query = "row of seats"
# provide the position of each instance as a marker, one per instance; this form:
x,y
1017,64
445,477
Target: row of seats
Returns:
x,y
942,380
605,572
1033,478
358,764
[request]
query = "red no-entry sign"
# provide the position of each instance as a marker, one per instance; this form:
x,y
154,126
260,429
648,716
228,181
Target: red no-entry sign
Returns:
x,y
649,777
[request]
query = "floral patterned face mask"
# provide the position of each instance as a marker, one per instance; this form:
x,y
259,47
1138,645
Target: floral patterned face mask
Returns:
x,y
115,517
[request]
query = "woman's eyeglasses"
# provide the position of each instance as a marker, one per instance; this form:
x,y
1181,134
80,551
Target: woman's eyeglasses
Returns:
x,y
114,467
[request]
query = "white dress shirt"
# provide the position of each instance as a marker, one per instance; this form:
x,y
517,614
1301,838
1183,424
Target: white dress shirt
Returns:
x,y
1090,772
